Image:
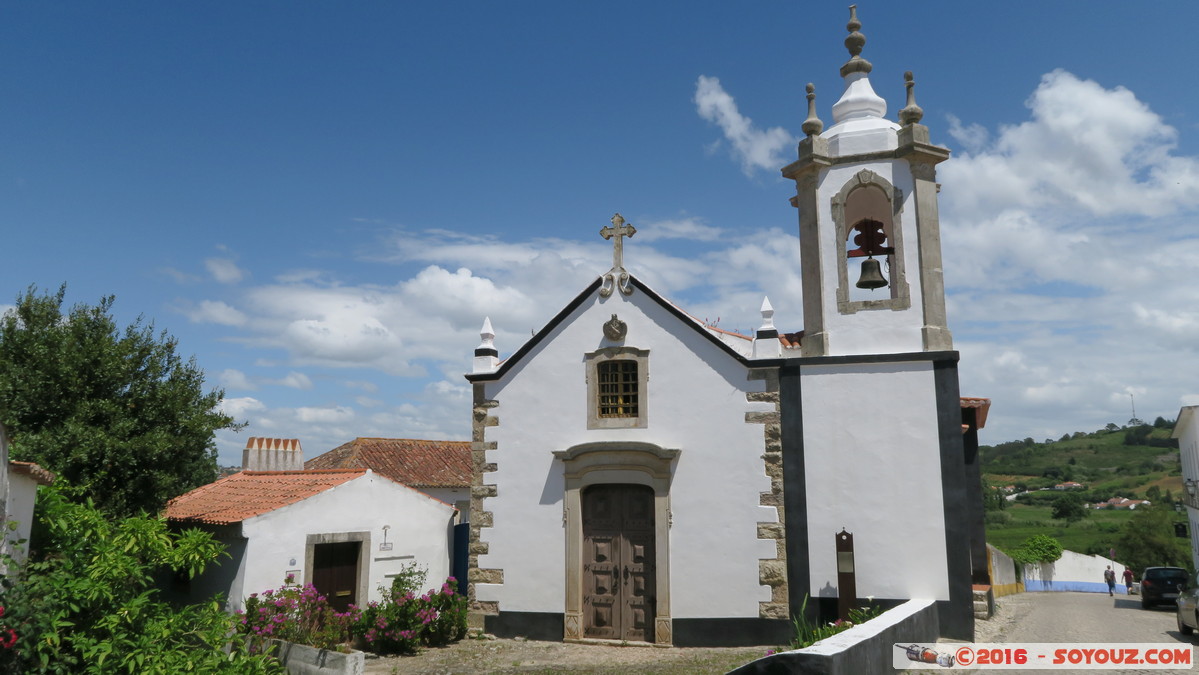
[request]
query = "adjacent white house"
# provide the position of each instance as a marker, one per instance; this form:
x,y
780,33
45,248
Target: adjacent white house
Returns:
x,y
346,531
440,469
18,493
642,476
1186,430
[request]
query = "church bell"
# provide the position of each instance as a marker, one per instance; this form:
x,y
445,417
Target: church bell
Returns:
x,y
872,275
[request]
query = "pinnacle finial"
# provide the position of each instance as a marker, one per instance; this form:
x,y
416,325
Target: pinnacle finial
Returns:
x,y
812,126
854,43
487,334
767,315
487,359
911,113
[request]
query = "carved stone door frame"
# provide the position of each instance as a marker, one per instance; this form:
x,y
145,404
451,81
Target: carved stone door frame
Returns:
x,y
616,462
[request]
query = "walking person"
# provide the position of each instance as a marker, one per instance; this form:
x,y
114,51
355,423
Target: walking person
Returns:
x,y
1109,576
1128,580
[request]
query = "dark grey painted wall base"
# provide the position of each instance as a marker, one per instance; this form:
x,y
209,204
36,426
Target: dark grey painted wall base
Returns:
x,y
750,632
546,626
549,626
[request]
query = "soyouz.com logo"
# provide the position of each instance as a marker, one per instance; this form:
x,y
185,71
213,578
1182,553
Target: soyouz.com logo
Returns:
x,y
1042,656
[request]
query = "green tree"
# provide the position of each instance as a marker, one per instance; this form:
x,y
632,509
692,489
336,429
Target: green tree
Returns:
x,y
1148,539
1069,507
1137,435
115,412
87,602
1038,548
1154,494
994,498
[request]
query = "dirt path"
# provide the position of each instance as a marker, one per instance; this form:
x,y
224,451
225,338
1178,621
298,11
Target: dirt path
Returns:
x,y
528,656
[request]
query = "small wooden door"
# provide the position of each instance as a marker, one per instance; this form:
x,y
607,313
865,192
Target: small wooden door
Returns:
x,y
335,572
618,563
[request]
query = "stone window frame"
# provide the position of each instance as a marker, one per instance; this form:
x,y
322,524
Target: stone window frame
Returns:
x,y
616,462
591,362
900,293
364,558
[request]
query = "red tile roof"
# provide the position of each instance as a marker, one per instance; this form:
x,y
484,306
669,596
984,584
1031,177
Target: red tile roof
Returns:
x,y
415,463
983,405
34,471
252,493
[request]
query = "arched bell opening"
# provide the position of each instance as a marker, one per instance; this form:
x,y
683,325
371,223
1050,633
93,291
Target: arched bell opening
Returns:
x,y
870,257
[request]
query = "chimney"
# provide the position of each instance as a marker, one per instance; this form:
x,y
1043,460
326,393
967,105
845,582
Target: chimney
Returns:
x,y
272,454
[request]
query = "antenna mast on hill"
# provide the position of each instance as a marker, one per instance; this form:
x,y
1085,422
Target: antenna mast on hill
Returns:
x,y
1132,401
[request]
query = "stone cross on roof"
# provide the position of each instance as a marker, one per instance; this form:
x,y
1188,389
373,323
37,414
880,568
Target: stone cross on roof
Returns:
x,y
617,276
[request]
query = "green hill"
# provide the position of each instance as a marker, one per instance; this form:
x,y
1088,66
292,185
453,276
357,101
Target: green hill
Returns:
x,y
1136,462
1111,462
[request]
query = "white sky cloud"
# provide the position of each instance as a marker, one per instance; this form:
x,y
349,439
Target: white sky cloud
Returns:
x,y
235,380
684,228
295,380
224,270
755,148
1065,237
238,408
1058,307
216,311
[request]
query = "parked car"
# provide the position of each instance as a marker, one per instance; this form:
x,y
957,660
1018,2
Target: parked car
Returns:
x,y
1188,610
1161,585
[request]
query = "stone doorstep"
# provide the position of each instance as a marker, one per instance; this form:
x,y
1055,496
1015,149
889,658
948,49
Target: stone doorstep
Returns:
x,y
615,643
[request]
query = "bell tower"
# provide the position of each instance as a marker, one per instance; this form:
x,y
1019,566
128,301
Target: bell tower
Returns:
x,y
870,244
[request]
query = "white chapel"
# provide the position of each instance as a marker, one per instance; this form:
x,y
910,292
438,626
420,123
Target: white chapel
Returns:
x,y
640,476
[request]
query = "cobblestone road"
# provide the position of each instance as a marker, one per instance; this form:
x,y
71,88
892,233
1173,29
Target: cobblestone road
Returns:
x,y
1081,617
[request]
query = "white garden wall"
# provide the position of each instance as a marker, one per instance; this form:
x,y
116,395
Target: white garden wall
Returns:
x,y
1073,572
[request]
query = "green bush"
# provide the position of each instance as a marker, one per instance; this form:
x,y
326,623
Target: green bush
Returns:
x,y
1038,548
808,633
402,621
296,614
87,602
996,517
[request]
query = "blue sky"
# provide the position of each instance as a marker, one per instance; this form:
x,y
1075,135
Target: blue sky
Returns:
x,y
322,201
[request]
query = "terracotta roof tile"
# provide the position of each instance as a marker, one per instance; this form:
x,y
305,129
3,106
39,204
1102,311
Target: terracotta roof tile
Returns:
x,y
252,493
34,471
982,404
791,340
415,463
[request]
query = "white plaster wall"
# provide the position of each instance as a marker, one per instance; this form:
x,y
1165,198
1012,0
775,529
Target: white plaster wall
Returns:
x,y
1186,430
419,532
696,404
872,462
1073,568
1003,568
454,497
3,470
875,331
22,494
1193,524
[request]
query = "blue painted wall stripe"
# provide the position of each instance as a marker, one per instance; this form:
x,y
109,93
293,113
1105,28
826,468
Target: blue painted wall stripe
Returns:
x,y
1081,586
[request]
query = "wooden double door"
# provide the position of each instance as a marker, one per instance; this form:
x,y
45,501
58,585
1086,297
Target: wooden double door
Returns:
x,y
618,563
335,572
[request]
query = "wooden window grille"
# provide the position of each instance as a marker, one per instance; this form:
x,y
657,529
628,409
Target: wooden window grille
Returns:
x,y
617,388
